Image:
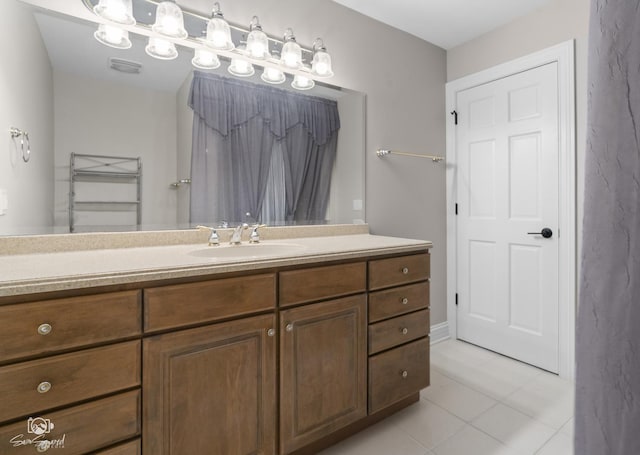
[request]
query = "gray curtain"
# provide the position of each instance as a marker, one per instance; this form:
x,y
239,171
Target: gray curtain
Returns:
x,y
236,126
607,417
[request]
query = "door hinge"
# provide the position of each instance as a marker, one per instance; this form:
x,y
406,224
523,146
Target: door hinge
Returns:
x,y
456,208
455,116
456,299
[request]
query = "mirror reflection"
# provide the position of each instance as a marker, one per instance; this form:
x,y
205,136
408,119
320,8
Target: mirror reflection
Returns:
x,y
121,131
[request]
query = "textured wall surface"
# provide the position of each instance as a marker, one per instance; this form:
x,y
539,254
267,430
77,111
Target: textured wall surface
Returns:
x,y
607,415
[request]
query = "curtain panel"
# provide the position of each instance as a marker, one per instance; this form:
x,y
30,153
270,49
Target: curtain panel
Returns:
x,y
237,126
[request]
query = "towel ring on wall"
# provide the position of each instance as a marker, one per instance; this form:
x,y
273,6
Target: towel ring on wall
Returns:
x,y
24,138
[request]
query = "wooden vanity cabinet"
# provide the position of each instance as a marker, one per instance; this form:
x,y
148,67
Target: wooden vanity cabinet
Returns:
x,y
323,367
211,390
398,329
282,362
76,364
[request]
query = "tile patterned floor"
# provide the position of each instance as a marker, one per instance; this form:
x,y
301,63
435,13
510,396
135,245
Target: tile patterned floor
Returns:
x,y
479,403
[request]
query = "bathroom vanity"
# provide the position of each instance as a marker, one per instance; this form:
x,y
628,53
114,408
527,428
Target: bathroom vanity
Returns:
x,y
272,353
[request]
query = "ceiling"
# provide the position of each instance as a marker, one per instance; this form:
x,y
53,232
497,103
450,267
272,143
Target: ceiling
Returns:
x,y
445,23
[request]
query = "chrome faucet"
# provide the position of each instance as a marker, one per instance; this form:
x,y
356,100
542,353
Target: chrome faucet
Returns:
x,y
236,237
214,239
255,237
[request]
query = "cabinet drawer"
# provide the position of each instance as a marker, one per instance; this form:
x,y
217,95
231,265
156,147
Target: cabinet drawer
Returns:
x,y
73,322
129,448
396,374
394,271
319,283
79,429
188,304
396,301
72,378
396,331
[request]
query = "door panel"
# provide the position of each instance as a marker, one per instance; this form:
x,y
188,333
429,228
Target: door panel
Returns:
x,y
507,186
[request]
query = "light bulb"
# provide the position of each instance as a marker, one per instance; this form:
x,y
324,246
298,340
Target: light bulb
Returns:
x,y
257,41
218,31
113,36
219,39
205,59
273,76
291,55
161,49
321,64
302,83
119,11
169,21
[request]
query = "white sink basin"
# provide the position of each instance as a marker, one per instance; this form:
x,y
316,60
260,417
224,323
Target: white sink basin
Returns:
x,y
248,250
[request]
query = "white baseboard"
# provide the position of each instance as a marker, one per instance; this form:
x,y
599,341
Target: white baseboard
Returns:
x,y
439,332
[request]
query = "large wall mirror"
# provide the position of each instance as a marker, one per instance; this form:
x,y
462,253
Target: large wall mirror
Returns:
x,y
90,102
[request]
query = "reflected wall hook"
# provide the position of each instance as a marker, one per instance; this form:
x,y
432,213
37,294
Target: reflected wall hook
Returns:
x,y
385,152
179,183
24,138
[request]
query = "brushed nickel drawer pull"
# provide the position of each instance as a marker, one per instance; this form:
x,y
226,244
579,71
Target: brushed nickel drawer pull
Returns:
x,y
405,373
405,330
405,270
405,300
289,328
44,387
44,329
271,332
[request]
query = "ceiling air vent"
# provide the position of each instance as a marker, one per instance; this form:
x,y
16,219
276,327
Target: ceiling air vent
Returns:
x,y
125,66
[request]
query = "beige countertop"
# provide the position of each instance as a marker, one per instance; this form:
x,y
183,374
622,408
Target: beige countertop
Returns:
x,y
55,271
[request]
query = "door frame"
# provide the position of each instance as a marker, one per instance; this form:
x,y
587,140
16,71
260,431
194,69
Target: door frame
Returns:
x,y
563,55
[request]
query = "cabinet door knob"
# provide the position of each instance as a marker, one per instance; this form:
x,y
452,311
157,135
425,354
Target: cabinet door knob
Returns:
x,y
271,332
44,329
405,270
405,330
405,300
289,328
405,373
44,387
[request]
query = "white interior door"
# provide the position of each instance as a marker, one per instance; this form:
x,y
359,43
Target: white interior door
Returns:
x,y
507,189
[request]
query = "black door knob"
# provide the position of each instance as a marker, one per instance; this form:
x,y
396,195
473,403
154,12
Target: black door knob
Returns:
x,y
545,232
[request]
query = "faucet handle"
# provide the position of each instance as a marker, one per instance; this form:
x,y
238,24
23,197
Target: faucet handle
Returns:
x,y
255,237
214,239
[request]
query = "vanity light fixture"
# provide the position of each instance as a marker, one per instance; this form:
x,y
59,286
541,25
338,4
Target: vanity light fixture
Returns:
x,y
113,36
273,75
169,21
161,48
321,64
303,64
218,31
257,41
240,66
118,11
291,55
302,83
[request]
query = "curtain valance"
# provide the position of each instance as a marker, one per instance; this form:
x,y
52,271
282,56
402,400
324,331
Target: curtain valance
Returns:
x,y
225,104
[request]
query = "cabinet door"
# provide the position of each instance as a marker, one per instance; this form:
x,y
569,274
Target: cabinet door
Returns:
x,y
211,390
323,369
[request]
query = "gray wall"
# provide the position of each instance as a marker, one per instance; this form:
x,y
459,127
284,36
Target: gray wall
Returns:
x,y
26,91
559,21
404,80
125,121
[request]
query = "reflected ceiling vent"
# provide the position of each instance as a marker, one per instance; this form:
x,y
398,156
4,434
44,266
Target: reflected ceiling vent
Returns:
x,y
125,66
